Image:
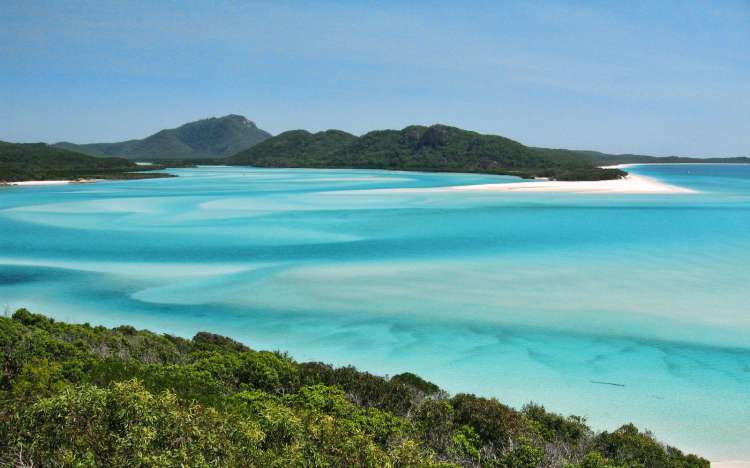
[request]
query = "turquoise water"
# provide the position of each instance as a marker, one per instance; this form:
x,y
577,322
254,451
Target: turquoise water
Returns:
x,y
521,296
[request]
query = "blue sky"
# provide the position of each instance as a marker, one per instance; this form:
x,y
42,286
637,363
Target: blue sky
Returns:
x,y
655,77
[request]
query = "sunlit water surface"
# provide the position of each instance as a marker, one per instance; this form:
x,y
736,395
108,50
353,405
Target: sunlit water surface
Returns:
x,y
522,296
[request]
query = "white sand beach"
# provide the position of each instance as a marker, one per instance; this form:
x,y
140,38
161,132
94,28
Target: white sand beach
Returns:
x,y
619,166
40,182
730,464
631,184
31,183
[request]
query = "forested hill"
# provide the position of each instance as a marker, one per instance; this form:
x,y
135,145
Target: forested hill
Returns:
x,y
76,395
38,161
212,138
419,148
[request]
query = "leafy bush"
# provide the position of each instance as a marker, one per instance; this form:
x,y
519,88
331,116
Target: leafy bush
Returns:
x,y
76,395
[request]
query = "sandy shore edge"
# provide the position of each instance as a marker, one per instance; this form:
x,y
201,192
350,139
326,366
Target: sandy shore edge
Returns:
x,y
31,183
631,184
731,464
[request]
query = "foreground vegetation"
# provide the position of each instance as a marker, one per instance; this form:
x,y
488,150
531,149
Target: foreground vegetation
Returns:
x,y
38,161
419,148
77,395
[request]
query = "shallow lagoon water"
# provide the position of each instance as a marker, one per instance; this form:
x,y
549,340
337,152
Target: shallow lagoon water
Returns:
x,y
521,296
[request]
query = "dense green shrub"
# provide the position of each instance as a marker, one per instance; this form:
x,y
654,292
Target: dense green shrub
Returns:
x,y
495,423
552,426
628,446
77,395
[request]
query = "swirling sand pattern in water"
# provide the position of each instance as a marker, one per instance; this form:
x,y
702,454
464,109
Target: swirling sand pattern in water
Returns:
x,y
524,296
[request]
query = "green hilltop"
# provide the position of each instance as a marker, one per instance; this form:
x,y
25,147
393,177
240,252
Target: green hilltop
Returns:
x,y
212,138
234,140
419,148
77,395
38,161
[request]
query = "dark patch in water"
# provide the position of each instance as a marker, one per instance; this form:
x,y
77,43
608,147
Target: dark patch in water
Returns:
x,y
12,274
614,384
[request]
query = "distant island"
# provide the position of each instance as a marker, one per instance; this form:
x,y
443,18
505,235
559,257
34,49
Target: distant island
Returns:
x,y
77,395
235,140
419,148
441,148
213,138
38,161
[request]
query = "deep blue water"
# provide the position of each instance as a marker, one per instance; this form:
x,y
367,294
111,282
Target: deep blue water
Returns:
x,y
521,296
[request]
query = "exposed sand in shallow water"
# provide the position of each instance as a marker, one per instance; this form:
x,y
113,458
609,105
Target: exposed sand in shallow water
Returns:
x,y
635,184
630,184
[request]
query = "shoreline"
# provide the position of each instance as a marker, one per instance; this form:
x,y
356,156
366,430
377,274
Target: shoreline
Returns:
x,y
31,183
48,182
619,166
630,184
730,463
83,180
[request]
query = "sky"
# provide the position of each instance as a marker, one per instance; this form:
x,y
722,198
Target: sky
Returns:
x,y
649,77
